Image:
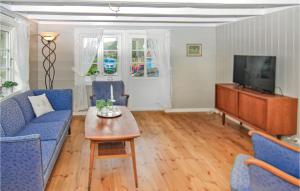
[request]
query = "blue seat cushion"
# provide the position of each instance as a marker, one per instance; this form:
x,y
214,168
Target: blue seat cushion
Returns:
x,y
240,180
47,130
25,105
11,117
60,116
48,149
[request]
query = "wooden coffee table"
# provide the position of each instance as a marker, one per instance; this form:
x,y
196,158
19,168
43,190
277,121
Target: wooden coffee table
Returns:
x,y
111,136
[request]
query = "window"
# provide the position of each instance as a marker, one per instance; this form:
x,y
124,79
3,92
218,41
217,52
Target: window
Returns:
x,y
5,55
137,57
142,58
110,55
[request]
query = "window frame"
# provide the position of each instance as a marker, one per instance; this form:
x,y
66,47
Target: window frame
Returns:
x,y
144,36
101,55
10,68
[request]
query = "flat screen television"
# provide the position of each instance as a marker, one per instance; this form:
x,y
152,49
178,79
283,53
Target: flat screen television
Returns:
x,y
256,72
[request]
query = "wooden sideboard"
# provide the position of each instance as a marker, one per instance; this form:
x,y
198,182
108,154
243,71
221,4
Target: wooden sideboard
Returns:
x,y
273,114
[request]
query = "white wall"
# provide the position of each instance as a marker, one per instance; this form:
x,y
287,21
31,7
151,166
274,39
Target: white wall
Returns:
x,y
193,78
200,71
275,34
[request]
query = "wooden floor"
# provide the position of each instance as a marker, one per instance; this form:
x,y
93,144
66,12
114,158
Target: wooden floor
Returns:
x,y
175,152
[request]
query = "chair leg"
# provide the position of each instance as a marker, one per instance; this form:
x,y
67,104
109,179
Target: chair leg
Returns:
x,y
69,131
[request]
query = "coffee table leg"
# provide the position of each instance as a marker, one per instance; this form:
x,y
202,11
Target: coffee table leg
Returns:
x,y
92,150
134,162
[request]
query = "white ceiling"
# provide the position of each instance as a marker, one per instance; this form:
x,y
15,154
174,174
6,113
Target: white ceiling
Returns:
x,y
145,12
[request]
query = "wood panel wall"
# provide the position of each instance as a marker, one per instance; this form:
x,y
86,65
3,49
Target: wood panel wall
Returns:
x,y
276,34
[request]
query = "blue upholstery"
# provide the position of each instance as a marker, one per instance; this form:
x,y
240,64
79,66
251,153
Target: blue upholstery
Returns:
x,y
61,116
276,155
47,130
21,163
11,117
263,180
101,90
254,178
60,99
30,146
25,105
48,148
239,175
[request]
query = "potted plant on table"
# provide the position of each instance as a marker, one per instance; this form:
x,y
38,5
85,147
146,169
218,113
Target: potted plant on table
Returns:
x,y
9,86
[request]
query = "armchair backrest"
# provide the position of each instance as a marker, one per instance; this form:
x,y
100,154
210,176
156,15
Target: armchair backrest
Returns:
x,y
101,89
268,150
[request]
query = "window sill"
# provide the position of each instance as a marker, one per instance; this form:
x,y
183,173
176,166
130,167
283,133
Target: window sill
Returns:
x,y
4,96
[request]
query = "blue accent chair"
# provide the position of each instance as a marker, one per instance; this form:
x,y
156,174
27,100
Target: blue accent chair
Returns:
x,y
101,90
30,145
274,167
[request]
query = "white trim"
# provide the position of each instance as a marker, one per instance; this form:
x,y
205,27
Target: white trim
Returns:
x,y
146,109
79,113
181,110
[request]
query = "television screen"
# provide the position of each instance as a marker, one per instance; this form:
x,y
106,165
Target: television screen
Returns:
x,y
257,72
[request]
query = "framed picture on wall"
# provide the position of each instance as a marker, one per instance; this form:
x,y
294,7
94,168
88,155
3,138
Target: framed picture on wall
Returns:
x,y
194,50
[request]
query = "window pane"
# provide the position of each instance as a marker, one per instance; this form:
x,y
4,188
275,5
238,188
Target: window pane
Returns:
x,y
3,76
110,62
4,56
137,44
138,60
152,69
110,43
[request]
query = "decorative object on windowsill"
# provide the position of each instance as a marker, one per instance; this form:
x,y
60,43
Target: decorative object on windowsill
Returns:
x,y
9,86
194,50
106,109
48,51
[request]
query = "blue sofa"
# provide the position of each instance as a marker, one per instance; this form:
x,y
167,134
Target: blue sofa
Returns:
x,y
30,145
275,166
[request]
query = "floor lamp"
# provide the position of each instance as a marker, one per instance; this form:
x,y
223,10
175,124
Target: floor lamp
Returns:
x,y
48,40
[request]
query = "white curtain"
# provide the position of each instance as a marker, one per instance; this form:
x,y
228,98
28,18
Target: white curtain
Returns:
x,y
159,45
21,54
86,46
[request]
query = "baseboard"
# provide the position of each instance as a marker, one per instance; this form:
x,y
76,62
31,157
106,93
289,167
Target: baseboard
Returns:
x,y
79,113
146,109
184,110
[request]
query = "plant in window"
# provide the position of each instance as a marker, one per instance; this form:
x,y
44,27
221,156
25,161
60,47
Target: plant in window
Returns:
x,y
93,71
9,84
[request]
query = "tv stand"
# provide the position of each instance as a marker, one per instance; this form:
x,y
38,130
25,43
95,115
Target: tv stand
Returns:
x,y
273,114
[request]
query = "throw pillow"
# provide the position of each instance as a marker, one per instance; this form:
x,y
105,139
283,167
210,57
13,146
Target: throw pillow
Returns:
x,y
40,104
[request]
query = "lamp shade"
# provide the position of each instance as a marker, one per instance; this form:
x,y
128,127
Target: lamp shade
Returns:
x,y
49,36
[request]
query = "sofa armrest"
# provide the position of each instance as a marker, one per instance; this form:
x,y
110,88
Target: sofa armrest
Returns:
x,y
275,152
123,100
60,99
268,177
21,163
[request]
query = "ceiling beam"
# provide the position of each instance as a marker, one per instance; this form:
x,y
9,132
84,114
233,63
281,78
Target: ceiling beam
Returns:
x,y
131,15
136,10
160,3
128,19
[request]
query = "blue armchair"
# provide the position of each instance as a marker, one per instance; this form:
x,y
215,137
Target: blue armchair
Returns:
x,y
274,167
101,90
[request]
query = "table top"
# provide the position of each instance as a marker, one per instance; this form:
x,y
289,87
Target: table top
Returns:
x,y
110,129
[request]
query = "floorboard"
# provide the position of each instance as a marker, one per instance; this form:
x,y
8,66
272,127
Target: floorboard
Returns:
x,y
176,152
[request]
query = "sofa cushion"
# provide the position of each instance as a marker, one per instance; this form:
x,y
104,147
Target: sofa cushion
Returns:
x,y
48,149
47,130
2,134
60,99
61,116
40,105
25,105
11,117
